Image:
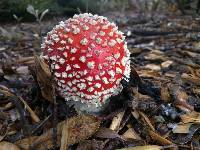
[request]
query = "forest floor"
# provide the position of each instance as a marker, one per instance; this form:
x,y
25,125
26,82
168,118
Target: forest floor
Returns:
x,y
159,107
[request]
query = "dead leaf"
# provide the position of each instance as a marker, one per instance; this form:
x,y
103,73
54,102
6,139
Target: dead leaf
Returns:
x,y
25,60
160,139
147,120
25,143
182,128
180,97
193,117
196,91
116,121
131,134
191,78
152,56
43,65
185,138
7,145
135,114
170,74
153,67
135,50
43,74
165,94
90,145
166,64
64,138
149,73
147,147
197,72
79,127
107,133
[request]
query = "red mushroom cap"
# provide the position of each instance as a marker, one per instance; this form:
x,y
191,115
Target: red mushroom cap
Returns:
x,y
89,57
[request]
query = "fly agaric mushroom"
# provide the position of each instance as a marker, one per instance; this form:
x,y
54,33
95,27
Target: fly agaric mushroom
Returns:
x,y
89,58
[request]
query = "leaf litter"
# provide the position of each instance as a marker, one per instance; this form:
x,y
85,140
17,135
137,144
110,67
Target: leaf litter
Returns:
x,y
158,109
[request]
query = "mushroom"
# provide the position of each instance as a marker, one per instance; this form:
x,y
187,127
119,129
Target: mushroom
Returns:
x,y
89,58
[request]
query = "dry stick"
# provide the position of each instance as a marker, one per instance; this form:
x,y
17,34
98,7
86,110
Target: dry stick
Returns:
x,y
32,113
55,120
42,123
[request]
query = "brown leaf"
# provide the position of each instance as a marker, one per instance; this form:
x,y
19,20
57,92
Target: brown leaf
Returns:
x,y
90,145
107,133
152,56
131,134
155,55
196,91
146,147
149,73
182,128
193,117
25,143
25,60
166,64
135,50
180,97
147,120
64,138
185,138
117,121
43,74
165,94
79,128
43,65
153,67
8,146
191,78
161,140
